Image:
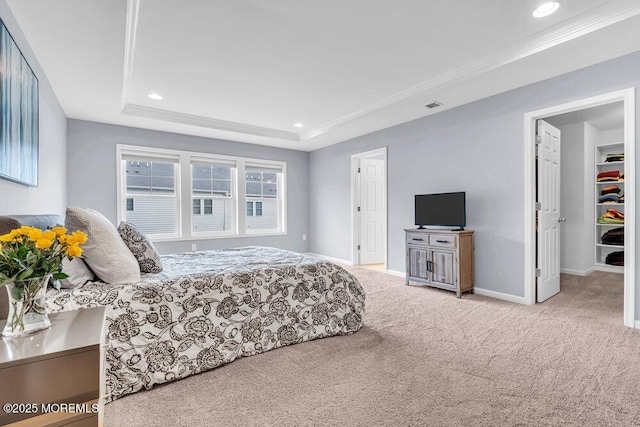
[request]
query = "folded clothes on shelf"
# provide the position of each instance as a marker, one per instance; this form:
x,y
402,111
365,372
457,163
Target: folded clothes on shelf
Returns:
x,y
611,216
615,258
609,176
609,198
615,157
613,237
611,189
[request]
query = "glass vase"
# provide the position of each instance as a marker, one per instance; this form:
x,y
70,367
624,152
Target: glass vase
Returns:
x,y
27,308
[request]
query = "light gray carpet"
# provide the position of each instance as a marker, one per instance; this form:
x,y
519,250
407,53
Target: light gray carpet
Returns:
x,y
427,358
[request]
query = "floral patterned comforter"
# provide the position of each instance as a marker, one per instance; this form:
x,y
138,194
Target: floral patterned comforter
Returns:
x,y
209,308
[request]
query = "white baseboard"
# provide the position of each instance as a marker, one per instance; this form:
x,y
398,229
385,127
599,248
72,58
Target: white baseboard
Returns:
x,y
329,258
499,295
637,324
397,273
577,272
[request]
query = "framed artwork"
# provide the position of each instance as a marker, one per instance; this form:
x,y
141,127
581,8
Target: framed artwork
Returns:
x,y
18,114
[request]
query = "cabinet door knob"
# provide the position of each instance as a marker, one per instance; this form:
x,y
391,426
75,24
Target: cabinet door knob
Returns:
x,y
561,219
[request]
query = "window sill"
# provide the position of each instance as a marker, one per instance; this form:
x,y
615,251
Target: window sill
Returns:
x,y
215,237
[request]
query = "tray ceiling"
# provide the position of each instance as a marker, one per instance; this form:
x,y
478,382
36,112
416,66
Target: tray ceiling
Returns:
x,y
248,70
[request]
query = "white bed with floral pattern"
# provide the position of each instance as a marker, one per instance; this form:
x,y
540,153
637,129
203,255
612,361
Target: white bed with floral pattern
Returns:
x,y
209,308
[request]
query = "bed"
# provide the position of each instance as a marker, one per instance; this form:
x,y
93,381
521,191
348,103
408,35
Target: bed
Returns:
x,y
209,308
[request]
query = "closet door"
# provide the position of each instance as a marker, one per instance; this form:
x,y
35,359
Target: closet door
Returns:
x,y
549,220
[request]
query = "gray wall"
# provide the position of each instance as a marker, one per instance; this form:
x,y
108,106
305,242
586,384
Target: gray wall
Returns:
x,y
51,194
477,148
92,177
577,198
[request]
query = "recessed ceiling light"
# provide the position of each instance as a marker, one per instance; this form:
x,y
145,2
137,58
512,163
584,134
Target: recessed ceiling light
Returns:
x,y
155,96
298,125
546,9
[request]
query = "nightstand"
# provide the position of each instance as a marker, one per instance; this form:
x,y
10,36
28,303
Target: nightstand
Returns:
x,y
53,377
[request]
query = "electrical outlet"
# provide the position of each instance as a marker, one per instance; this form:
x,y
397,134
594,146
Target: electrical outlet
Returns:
x,y
194,247
304,237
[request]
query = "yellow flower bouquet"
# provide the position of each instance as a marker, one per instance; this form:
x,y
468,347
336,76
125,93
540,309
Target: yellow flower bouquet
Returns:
x,y
29,257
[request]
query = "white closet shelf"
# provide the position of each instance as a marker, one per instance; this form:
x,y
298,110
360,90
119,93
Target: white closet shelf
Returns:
x,y
602,250
621,162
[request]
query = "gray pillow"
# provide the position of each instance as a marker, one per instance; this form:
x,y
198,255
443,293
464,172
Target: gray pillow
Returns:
x,y
78,271
105,252
141,248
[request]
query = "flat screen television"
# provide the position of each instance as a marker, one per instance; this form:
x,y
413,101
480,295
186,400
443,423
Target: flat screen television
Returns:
x,y
442,209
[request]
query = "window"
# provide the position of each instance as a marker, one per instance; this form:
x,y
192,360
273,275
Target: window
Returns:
x,y
263,183
151,195
251,211
216,181
208,206
171,194
202,206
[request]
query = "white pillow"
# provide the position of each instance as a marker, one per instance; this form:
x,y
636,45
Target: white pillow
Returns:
x,y
104,252
78,271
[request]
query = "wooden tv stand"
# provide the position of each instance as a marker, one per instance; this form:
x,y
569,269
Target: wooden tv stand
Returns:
x,y
440,258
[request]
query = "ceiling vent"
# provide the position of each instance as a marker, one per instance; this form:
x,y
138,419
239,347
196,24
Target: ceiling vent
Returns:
x,y
434,104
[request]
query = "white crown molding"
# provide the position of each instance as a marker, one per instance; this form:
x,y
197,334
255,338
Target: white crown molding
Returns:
x,y
596,19
133,8
207,122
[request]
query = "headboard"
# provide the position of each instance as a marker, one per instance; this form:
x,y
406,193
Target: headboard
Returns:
x,y
8,223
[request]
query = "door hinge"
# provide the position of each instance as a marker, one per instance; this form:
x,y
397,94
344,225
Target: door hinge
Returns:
x,y
358,170
538,206
538,139
538,272
358,208
358,247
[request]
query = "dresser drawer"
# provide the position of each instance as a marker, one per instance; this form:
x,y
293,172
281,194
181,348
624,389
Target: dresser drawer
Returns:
x,y
443,240
418,239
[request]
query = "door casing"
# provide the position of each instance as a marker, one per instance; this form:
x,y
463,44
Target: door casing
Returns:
x,y
627,96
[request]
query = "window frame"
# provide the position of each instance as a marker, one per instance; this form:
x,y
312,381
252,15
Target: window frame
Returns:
x,y
121,180
280,198
184,191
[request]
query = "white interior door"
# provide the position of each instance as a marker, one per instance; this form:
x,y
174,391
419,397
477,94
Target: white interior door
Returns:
x,y
548,282
372,211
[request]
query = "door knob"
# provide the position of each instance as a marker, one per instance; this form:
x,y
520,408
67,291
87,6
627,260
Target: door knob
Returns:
x,y
562,219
